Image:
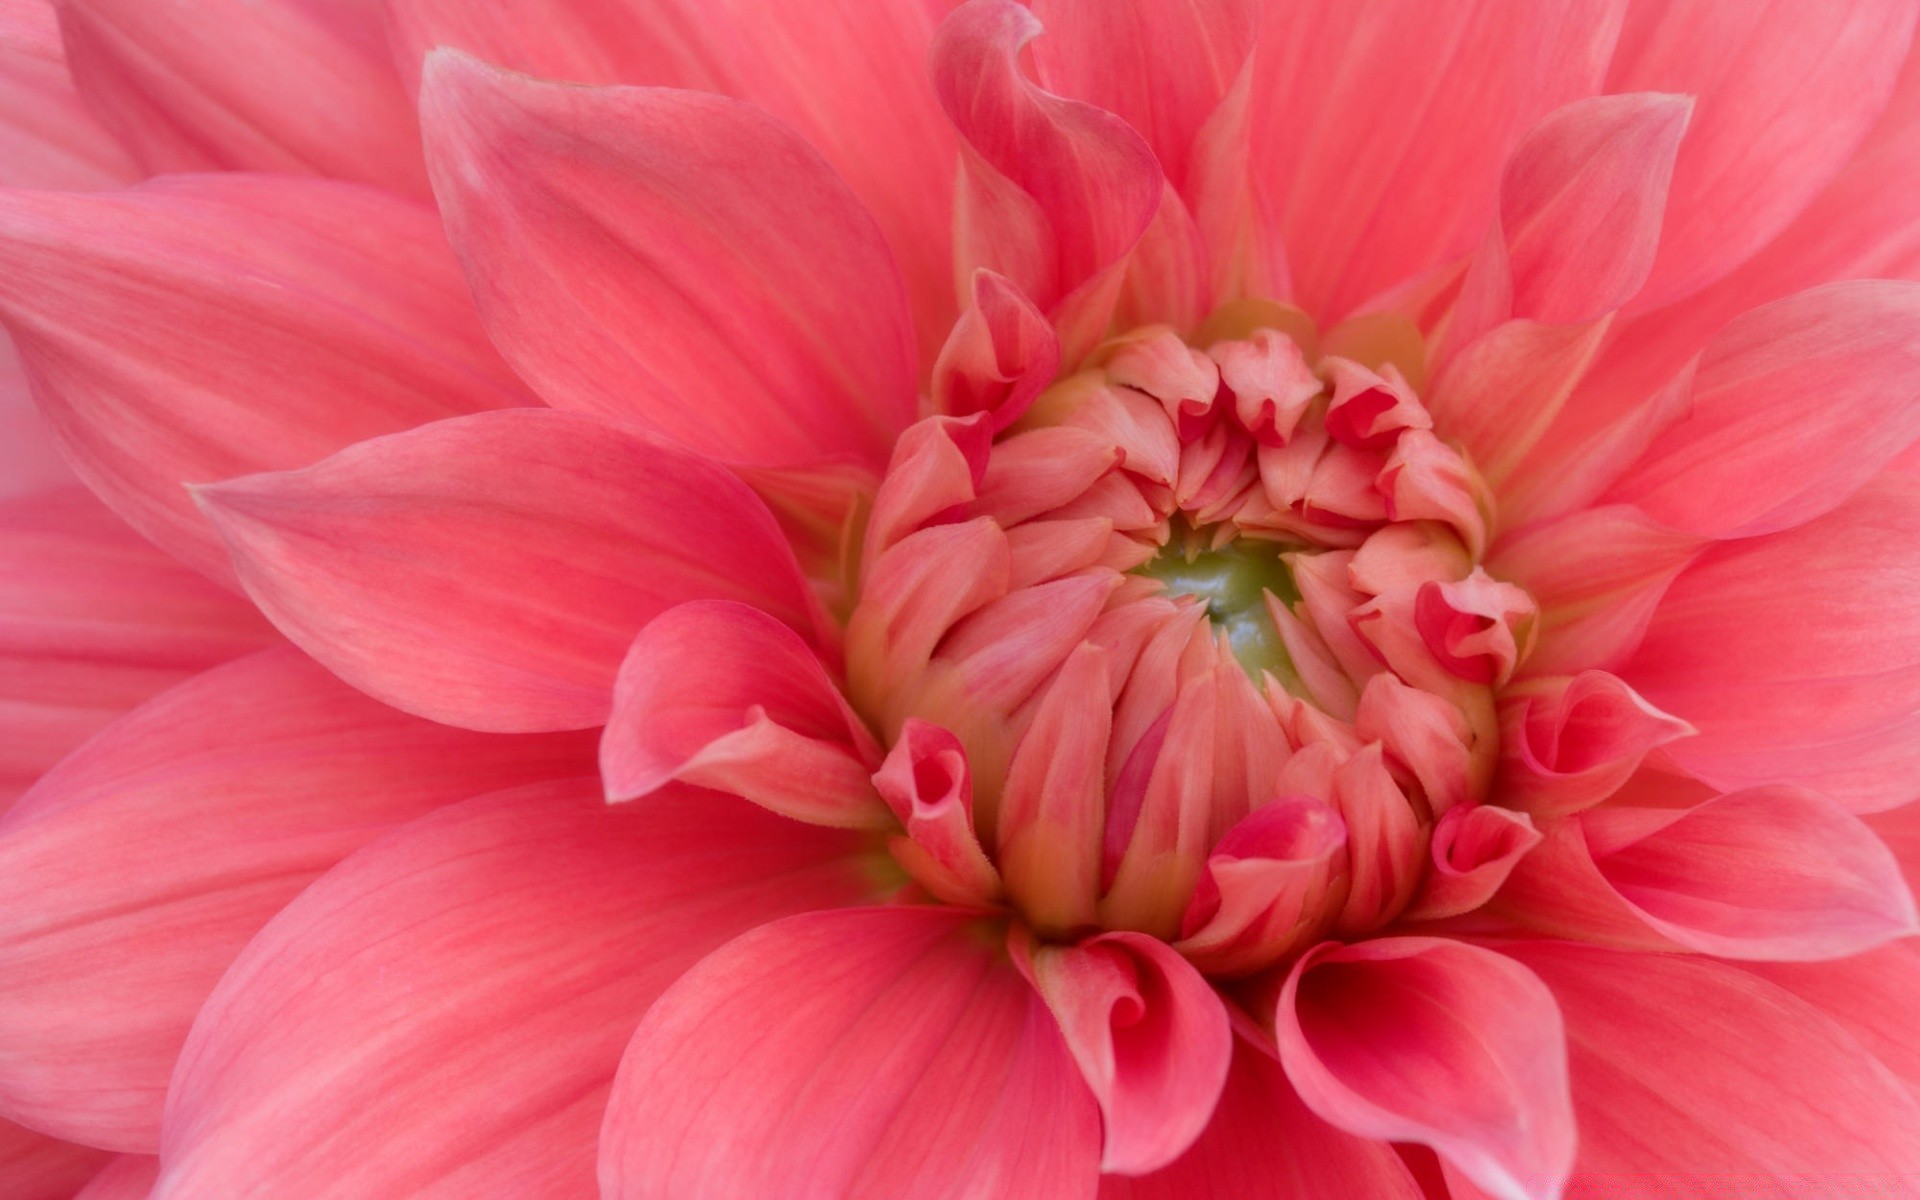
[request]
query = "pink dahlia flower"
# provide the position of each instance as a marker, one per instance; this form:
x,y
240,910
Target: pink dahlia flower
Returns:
x,y
1131,599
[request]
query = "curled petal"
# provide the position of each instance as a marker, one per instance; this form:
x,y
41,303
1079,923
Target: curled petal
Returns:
x,y
1270,381
927,784
1480,628
1424,733
999,355
1569,743
937,466
1475,848
1264,888
1369,409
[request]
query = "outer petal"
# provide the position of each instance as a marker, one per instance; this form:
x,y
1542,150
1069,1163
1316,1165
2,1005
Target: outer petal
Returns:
x,y
34,1166
1871,994
672,259
872,1053
247,85
1797,656
193,329
128,1177
1264,1144
723,696
94,620
491,571
1794,407
1382,126
1437,1042
1769,1096
136,870
468,983
849,76
47,138
1786,96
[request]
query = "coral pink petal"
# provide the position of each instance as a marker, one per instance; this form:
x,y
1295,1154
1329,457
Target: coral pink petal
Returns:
x,y
873,1054
1264,1144
1569,743
34,1166
928,784
94,620
133,872
623,268
1767,1091
849,76
30,458
1794,407
720,695
47,137
1150,1036
1052,816
1773,873
1054,193
469,983
247,85
1475,848
1436,1042
1784,100
491,571
999,356
1871,994
1380,131
1805,707
128,1177
197,328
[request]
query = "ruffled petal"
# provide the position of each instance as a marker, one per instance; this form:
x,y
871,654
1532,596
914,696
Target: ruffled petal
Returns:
x,y
624,268
491,571
876,1053
468,984
197,328
247,85
132,874
1436,1042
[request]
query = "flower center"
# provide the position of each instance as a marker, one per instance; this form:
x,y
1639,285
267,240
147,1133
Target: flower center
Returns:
x,y
1233,581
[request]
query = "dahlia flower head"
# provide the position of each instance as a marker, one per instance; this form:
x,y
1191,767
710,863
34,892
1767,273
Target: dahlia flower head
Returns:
x,y
1271,599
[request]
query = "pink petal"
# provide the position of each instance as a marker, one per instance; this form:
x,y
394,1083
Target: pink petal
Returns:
x,y
1569,743
194,329
132,874
468,984
1265,881
1479,628
1768,1091
929,786
1436,1042
1150,1036
30,458
1475,848
1870,994
1795,406
1790,653
1500,394
491,571
34,1166
723,696
1054,193
625,270
94,620
1052,815
1000,355
863,1054
1264,1144
850,77
1380,131
1784,100
128,1177
47,137
247,85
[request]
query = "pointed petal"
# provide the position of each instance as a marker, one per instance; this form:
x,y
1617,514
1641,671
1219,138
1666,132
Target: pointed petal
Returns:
x,y
1794,407
1150,1036
1436,1042
624,268
723,696
421,971
491,571
93,620
197,328
1769,1092
868,1054
247,85
1052,813
136,870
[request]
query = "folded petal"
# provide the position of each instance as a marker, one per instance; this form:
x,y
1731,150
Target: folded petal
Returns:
x,y
491,571
861,1054
928,784
1149,1035
1784,100
1794,406
1264,1144
34,1166
242,85
137,869
850,77
93,620
999,355
1475,848
723,696
197,328
1792,654
1569,743
468,983
628,268
47,137
1437,1042
1768,1092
